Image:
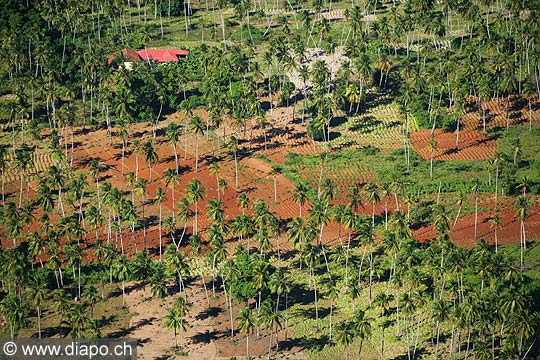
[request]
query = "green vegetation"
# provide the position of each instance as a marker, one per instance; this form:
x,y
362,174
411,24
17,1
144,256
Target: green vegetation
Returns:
x,y
119,173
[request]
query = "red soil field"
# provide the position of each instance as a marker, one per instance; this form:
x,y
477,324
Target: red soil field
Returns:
x,y
473,145
507,232
255,177
495,112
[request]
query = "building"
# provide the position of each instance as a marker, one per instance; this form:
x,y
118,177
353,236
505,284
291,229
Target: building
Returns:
x,y
128,57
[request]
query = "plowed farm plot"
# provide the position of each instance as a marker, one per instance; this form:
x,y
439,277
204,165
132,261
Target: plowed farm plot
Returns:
x,y
382,127
501,113
342,176
472,145
507,230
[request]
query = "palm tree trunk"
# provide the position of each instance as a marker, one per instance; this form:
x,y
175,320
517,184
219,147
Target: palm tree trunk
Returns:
x,y
160,237
39,321
175,158
196,152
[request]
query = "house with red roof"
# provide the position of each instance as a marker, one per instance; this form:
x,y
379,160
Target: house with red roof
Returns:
x,y
128,57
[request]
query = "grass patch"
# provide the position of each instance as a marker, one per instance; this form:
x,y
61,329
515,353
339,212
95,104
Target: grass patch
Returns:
x,y
530,146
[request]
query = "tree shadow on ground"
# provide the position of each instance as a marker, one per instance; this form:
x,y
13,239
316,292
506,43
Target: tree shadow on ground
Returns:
x,y
305,343
207,336
210,312
310,313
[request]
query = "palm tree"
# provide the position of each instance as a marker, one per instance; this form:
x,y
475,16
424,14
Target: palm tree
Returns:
x,y
495,222
432,150
196,126
150,156
439,311
160,198
137,149
90,294
78,318
157,281
459,202
173,136
121,272
176,262
516,149
373,197
95,170
140,187
362,327
195,192
23,158
184,213
124,137
243,202
345,335
382,304
171,178
214,170
38,292
175,320
300,195
475,188
275,171
246,325
3,165
522,207
232,145
352,93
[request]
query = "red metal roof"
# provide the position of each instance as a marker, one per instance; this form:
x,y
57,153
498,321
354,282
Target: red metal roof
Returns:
x,y
162,55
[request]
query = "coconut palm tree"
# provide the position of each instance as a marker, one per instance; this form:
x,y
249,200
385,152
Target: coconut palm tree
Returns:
x,y
173,136
495,222
195,191
123,134
171,179
196,126
158,280
300,195
160,198
140,188
372,196
175,262
345,335
475,189
432,150
3,166
90,294
243,202
184,213
362,327
274,172
150,156
246,325
440,313
382,305
121,272
137,150
461,197
232,145
175,320
214,169
78,319
38,293
522,206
